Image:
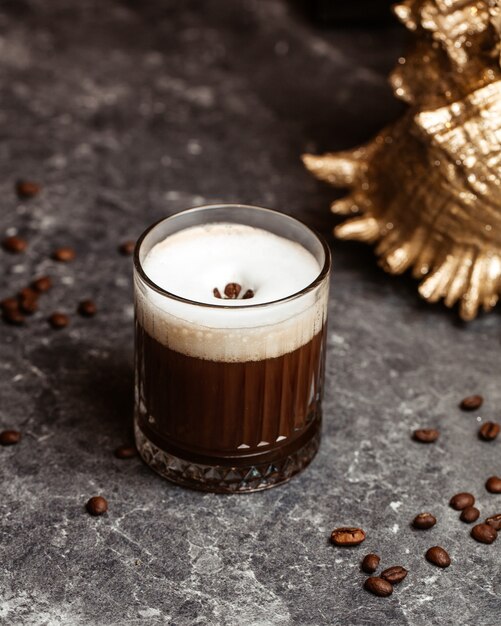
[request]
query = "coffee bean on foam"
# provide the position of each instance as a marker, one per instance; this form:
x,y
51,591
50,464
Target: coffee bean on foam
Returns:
x,y
193,262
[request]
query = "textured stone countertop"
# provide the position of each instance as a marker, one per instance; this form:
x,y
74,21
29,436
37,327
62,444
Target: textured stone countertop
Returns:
x,y
126,112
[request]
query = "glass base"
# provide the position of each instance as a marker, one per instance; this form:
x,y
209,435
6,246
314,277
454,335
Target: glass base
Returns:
x,y
226,478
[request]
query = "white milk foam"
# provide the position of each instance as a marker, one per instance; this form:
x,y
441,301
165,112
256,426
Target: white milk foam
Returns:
x,y
192,262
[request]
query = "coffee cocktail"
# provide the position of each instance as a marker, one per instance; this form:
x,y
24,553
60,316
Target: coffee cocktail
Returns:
x,y
230,346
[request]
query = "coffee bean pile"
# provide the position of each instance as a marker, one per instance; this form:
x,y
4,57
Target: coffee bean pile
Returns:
x,y
15,308
383,584
485,532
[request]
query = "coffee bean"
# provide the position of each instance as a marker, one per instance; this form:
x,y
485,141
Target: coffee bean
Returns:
x,y
59,320
378,586
13,316
9,304
248,294
15,245
438,556
27,189
347,536
9,437
217,293
28,305
97,505
64,255
426,435
395,574
494,521
469,515
42,284
127,247
484,533
493,484
370,563
28,300
489,431
232,290
125,452
87,308
424,521
28,292
471,403
462,500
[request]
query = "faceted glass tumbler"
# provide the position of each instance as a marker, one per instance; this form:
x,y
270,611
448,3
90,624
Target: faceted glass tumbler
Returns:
x,y
228,399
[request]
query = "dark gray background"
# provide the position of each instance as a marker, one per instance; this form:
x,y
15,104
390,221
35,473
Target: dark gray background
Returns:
x,y
129,111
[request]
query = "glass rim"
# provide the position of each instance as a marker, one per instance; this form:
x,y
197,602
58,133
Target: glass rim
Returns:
x,y
324,271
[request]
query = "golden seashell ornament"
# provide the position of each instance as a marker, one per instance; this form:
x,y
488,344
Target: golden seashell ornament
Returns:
x,y
427,189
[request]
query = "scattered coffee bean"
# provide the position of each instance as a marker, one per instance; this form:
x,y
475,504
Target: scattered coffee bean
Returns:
x,y
27,189
395,574
489,431
494,521
248,294
15,245
484,533
426,435
438,556
28,292
424,521
87,308
28,305
59,320
232,291
378,586
9,304
9,437
97,505
370,563
42,284
462,500
13,316
469,515
347,536
125,452
471,403
217,293
127,247
64,255
493,484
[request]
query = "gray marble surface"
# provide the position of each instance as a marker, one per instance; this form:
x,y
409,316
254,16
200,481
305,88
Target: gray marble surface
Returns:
x,y
129,111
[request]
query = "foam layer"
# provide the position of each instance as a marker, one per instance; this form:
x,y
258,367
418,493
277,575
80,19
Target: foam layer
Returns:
x,y
192,262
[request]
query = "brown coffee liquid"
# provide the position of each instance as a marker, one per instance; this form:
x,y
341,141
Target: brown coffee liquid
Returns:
x,y
198,409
